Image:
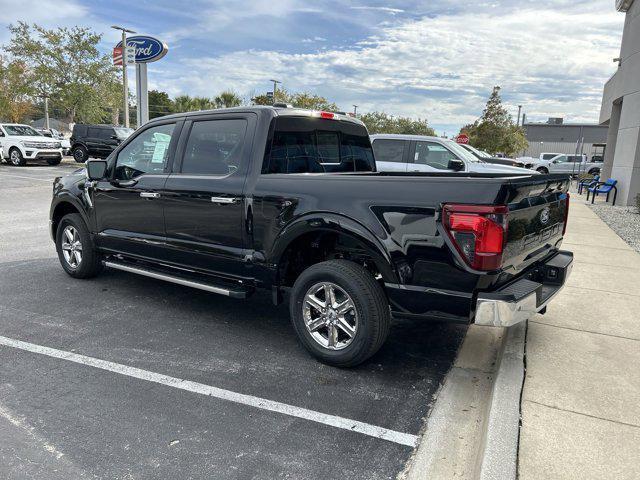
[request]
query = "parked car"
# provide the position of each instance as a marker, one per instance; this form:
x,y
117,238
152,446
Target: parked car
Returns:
x,y
96,141
286,200
416,153
488,158
563,163
65,143
21,143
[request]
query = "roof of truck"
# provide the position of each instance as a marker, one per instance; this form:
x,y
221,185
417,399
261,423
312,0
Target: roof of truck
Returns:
x,y
277,110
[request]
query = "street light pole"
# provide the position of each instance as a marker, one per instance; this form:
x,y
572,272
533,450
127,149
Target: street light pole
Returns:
x,y
275,86
519,110
355,110
125,82
46,112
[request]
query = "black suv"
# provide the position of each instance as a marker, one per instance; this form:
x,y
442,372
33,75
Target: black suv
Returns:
x,y
96,140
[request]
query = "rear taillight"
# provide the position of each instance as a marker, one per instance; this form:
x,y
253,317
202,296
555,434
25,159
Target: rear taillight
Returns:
x,y
566,214
327,115
479,233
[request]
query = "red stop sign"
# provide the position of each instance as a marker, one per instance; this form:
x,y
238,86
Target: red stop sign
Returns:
x,y
462,138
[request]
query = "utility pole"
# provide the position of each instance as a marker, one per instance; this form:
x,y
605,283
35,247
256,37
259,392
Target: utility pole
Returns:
x,y
519,110
125,81
46,111
275,87
355,110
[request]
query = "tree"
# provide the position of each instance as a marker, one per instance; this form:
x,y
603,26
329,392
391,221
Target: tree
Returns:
x,y
66,65
159,104
495,131
299,100
227,99
380,122
15,91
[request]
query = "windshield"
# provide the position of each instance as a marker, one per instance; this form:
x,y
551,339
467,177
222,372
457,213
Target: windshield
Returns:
x,y
461,152
478,153
122,132
21,130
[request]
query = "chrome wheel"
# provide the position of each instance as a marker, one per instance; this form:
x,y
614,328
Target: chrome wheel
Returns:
x,y
330,316
14,156
71,246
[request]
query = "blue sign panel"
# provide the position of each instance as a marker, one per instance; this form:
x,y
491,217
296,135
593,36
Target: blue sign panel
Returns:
x,y
148,49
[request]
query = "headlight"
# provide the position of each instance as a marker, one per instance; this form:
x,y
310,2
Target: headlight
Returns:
x,y
57,145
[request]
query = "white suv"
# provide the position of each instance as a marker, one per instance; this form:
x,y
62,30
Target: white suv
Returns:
x,y
22,142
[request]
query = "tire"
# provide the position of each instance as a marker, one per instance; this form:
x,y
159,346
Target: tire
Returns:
x,y
594,171
369,312
542,170
89,264
80,154
15,158
54,161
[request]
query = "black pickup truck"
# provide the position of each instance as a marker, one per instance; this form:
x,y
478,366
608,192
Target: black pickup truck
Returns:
x,y
231,201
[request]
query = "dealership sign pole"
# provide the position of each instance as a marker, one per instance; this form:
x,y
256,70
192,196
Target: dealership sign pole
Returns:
x,y
147,49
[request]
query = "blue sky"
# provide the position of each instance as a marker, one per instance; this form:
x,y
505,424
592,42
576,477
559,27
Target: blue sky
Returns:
x,y
434,59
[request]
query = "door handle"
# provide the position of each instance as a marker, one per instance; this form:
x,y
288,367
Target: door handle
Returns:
x,y
226,200
149,195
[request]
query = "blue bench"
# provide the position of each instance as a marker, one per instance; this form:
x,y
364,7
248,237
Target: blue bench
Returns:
x,y
588,182
603,187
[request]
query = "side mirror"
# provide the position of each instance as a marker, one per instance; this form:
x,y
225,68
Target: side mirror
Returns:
x,y
114,137
455,165
96,169
555,161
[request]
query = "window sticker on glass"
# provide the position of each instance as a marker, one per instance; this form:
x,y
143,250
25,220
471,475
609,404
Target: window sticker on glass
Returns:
x,y
161,144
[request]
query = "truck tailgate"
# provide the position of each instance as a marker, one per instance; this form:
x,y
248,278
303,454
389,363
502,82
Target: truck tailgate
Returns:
x,y
538,208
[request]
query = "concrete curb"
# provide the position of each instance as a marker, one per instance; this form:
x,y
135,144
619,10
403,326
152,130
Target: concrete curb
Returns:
x,y
473,429
500,452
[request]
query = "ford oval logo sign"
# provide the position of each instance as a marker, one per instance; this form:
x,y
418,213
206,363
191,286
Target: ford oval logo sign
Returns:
x,y
148,49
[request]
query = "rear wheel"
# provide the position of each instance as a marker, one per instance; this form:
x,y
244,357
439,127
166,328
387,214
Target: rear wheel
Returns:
x,y
76,251
340,312
542,170
16,158
80,154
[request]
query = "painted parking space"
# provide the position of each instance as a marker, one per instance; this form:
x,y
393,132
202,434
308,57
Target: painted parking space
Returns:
x,y
242,349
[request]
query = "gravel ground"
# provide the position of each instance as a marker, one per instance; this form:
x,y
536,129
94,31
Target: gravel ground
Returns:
x,y
625,221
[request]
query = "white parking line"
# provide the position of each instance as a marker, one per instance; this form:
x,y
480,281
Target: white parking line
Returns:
x,y
189,386
48,180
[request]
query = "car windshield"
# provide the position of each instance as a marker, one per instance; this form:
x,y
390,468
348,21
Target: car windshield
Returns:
x,y
462,154
122,132
478,153
21,131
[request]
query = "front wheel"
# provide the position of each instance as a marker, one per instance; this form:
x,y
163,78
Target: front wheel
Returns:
x,y
542,170
339,312
16,158
76,251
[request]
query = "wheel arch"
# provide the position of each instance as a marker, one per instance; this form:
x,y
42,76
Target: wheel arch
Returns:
x,y
62,207
317,235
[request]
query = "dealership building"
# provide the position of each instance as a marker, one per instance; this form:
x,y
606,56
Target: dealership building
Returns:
x,y
555,136
621,109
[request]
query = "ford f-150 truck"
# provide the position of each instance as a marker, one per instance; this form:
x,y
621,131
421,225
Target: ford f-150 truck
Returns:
x,y
235,200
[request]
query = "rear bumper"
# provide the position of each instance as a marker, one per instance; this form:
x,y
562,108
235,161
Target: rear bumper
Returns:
x,y
524,297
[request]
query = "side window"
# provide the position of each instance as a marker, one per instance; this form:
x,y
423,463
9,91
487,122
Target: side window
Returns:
x,y
93,132
433,155
389,150
105,133
146,153
561,159
214,147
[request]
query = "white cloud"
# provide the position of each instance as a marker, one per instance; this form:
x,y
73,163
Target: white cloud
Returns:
x,y
390,10
552,61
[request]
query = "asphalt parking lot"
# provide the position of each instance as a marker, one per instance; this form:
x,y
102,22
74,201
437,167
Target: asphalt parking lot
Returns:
x,y
191,385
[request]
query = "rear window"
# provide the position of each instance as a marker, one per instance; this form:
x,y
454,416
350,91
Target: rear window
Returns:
x,y
314,145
